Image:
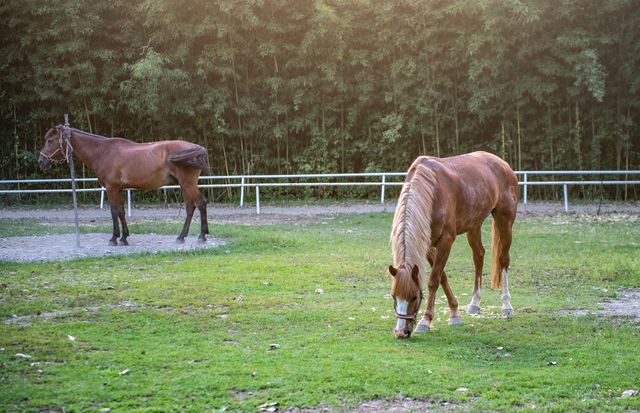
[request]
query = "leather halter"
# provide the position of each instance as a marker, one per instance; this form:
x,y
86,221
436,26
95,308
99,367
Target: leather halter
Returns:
x,y
65,130
409,317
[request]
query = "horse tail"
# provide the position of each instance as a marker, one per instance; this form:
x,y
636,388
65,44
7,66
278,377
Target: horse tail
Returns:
x,y
195,158
501,228
496,247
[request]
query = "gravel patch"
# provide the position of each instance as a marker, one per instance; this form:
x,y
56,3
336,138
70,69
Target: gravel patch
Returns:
x,y
397,405
554,208
285,214
29,319
43,248
625,307
221,214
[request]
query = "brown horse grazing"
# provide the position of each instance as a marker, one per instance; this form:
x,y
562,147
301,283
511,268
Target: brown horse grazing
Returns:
x,y
119,164
440,199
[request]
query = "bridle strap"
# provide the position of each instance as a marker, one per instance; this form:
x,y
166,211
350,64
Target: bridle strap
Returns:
x,y
406,316
66,130
67,139
411,317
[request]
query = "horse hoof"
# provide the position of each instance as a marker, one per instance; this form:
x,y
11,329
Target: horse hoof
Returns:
x,y
202,240
508,312
179,240
473,309
124,242
422,327
113,243
455,321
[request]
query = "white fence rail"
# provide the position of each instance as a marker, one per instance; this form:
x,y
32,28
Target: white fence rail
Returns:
x,y
269,181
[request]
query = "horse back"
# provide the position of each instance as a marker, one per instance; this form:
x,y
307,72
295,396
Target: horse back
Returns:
x,y
476,169
153,164
472,186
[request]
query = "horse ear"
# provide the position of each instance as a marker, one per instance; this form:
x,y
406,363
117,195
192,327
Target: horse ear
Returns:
x,y
392,270
414,274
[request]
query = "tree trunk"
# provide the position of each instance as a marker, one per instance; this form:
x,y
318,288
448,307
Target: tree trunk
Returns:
x,y
226,165
519,137
286,121
424,145
322,121
503,153
436,121
455,117
342,136
237,96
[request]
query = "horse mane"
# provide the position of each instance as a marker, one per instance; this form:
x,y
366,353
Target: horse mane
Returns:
x,y
90,135
411,229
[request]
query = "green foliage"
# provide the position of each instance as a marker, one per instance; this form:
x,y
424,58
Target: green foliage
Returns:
x,y
328,86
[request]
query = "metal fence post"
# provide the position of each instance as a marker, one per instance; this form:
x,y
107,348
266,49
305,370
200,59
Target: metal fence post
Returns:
x,y
382,190
257,200
69,157
129,202
525,189
566,198
102,198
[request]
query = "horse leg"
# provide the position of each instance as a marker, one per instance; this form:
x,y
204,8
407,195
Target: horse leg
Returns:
x,y
115,200
502,243
475,241
442,250
189,207
204,225
423,325
454,317
191,195
125,227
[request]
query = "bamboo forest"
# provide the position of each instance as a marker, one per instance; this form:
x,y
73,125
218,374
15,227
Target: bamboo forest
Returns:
x,y
328,86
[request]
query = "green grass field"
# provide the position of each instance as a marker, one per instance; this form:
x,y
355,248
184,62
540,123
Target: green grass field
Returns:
x,y
300,315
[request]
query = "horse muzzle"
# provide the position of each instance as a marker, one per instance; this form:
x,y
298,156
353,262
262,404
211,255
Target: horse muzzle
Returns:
x,y
402,332
44,163
404,325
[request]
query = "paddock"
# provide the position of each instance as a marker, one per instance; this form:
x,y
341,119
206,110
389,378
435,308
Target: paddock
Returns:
x,y
290,311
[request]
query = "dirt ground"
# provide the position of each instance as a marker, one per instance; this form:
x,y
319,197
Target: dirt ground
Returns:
x,y
63,247
284,214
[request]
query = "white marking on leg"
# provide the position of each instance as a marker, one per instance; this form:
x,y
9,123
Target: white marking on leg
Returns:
x,y
474,305
401,308
507,309
475,300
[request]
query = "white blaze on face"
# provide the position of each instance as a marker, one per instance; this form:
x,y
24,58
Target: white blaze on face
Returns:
x,y
402,306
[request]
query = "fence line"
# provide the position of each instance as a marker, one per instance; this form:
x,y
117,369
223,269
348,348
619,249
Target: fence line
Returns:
x,y
256,181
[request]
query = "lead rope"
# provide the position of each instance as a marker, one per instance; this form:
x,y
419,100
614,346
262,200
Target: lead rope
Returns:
x,y
69,156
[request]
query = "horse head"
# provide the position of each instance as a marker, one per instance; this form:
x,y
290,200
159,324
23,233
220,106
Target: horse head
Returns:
x,y
54,151
406,291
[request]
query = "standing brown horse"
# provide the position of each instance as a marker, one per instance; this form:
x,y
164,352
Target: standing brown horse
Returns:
x,y
119,164
440,199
